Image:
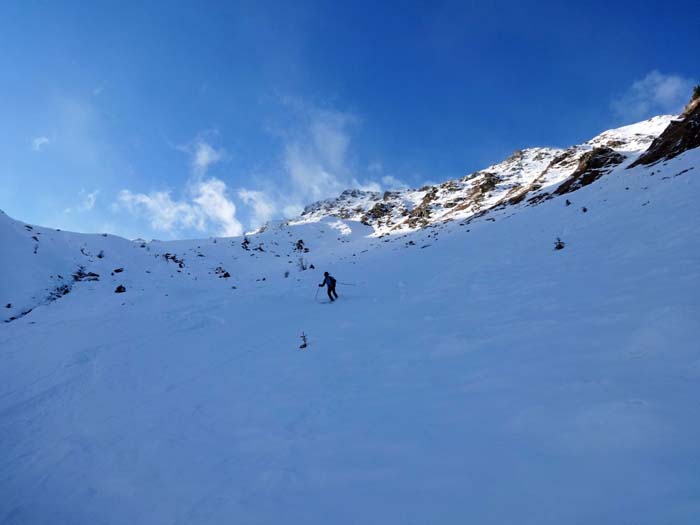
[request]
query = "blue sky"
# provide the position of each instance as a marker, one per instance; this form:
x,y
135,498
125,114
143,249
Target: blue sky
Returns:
x,y
187,119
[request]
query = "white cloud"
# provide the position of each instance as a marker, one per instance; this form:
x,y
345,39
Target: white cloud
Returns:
x,y
316,164
38,142
207,207
210,197
203,156
393,184
317,161
88,201
263,207
655,94
164,214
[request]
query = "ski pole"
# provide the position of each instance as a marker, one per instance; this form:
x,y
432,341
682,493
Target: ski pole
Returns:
x,y
316,296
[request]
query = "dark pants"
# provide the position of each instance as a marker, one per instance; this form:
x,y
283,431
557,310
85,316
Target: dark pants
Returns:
x,y
332,292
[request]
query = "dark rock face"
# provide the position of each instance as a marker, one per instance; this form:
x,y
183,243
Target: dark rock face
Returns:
x,y
591,167
681,135
420,214
82,275
377,211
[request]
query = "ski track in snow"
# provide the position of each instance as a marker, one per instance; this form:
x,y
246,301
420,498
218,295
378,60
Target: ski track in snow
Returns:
x,y
485,378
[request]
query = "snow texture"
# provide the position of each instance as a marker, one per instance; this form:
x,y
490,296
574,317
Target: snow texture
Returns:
x,y
469,372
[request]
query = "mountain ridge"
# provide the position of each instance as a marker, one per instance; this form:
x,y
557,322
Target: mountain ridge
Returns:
x,y
529,172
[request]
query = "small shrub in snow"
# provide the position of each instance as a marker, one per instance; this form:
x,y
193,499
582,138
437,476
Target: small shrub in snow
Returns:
x,y
59,291
304,341
559,244
120,289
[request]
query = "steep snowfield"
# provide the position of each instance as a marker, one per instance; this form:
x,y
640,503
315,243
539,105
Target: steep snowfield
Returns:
x,y
469,373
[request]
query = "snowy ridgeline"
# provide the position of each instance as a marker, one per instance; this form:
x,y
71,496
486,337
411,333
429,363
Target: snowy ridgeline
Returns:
x,y
528,175
471,372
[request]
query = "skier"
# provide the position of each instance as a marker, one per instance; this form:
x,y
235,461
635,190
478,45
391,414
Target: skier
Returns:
x,y
330,282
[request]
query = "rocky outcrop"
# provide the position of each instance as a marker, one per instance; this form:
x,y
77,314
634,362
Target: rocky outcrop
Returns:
x,y
591,167
379,211
420,215
681,135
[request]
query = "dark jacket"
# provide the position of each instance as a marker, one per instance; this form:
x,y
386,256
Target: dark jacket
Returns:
x,y
328,281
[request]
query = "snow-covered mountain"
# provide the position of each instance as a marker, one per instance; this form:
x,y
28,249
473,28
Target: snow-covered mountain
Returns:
x,y
518,346
533,174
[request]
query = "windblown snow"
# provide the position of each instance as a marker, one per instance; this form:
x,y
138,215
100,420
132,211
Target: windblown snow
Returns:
x,y
469,373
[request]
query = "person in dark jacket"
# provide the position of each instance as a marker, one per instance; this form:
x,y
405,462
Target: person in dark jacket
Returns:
x,y
329,281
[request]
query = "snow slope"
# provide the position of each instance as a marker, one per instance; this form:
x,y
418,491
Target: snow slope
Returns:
x,y
469,373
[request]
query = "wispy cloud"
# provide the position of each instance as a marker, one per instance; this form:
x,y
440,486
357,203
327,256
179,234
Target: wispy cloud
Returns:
x,y
316,159
263,207
88,200
208,207
39,142
657,93
392,183
318,163
205,207
202,154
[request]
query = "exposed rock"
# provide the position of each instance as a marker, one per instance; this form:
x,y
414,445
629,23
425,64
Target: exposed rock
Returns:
x,y
120,289
421,213
82,275
378,211
681,135
591,167
59,291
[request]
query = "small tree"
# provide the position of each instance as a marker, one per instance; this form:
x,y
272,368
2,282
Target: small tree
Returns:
x,y
559,244
696,92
